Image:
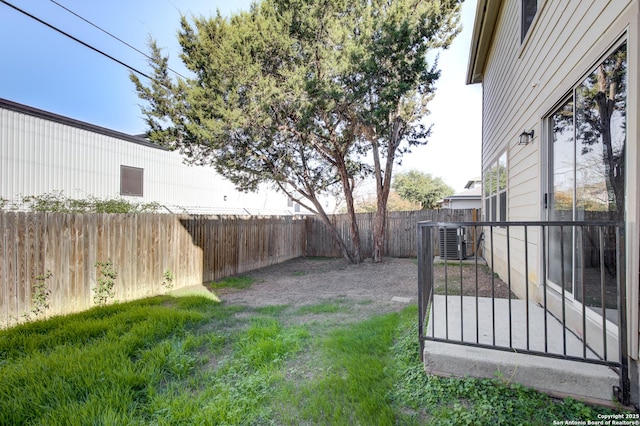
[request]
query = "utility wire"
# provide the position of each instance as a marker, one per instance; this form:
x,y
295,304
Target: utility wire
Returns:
x,y
95,49
112,35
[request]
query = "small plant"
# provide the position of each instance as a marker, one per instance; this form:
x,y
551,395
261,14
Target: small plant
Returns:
x,y
106,281
167,279
40,296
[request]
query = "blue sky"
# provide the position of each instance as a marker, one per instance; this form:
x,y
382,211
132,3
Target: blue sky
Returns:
x,y
44,69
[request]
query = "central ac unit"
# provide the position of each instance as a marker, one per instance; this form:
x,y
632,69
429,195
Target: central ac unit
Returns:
x,y
452,243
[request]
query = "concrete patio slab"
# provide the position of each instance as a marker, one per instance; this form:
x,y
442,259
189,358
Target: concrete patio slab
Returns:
x,y
467,319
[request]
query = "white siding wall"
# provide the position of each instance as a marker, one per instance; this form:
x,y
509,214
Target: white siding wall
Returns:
x,y
39,156
457,203
523,83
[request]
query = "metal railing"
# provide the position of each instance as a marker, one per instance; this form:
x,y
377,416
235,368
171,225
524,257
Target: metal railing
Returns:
x,y
561,284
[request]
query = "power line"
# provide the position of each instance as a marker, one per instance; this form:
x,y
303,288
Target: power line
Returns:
x,y
112,35
95,49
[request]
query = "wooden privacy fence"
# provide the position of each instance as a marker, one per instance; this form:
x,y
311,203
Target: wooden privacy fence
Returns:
x,y
400,238
142,247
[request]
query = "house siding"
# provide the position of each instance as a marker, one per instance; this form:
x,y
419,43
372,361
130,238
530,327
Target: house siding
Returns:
x,y
524,82
521,88
40,155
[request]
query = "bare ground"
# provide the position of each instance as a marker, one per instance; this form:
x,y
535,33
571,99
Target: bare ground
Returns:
x,y
370,288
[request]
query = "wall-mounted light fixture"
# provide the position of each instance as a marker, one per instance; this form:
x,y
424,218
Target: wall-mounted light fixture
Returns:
x,y
525,138
225,198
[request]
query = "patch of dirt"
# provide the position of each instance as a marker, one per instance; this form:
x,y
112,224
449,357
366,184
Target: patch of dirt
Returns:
x,y
309,281
485,284
368,287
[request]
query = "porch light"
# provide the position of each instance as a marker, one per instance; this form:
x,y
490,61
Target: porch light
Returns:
x,y
525,137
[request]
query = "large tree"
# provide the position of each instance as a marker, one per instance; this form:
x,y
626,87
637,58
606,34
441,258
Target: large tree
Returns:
x,y
299,92
396,82
421,188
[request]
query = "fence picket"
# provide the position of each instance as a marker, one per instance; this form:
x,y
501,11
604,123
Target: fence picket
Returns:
x,y
195,249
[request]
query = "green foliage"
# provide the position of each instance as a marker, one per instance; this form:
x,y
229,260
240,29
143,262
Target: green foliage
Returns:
x,y
299,93
238,282
354,386
106,280
41,294
57,202
167,279
190,360
103,366
328,307
445,401
395,203
421,188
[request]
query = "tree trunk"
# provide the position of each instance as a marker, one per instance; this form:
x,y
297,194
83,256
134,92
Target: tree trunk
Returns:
x,y
356,253
383,186
318,210
336,235
379,227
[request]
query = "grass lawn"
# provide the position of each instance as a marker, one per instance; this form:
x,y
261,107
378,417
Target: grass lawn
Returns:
x,y
192,360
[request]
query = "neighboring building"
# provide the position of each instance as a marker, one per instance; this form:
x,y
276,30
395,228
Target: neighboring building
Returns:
x,y
560,135
470,198
42,152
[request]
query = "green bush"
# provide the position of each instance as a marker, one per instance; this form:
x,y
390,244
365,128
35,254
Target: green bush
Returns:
x,y
57,202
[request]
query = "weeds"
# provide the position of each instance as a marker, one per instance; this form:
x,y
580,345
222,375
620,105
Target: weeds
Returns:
x,y
237,282
41,294
167,279
57,202
329,307
105,283
190,360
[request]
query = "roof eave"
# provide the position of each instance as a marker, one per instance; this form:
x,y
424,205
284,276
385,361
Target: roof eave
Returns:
x,y
483,28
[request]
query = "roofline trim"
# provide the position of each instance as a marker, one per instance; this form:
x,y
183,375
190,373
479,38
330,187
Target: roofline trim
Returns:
x,y
46,115
487,12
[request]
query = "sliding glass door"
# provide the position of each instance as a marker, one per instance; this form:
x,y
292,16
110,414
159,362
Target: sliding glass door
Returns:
x,y
586,181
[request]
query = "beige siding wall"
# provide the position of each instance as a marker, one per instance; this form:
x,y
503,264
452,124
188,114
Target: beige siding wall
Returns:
x,y
523,83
